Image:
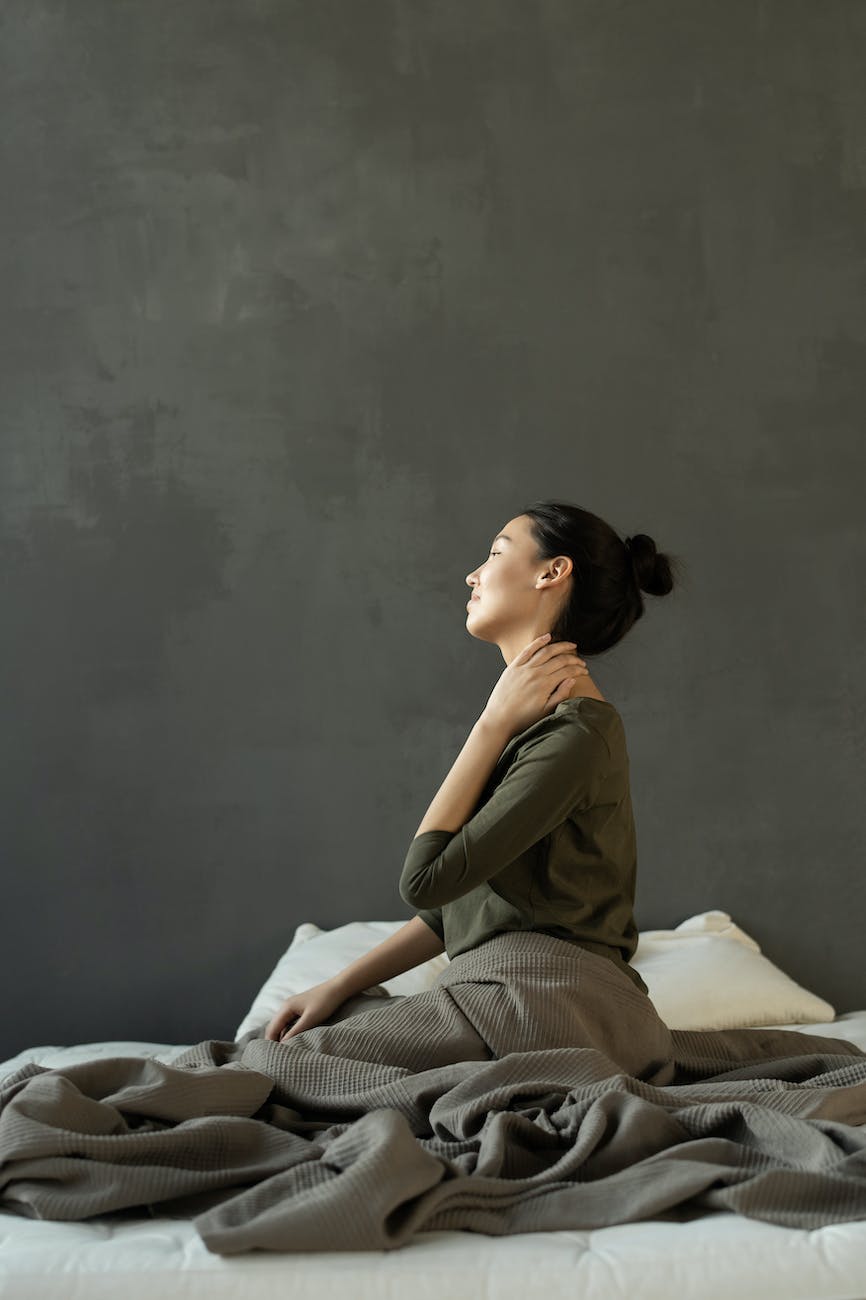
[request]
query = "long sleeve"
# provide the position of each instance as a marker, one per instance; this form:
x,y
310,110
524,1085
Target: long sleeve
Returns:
x,y
554,773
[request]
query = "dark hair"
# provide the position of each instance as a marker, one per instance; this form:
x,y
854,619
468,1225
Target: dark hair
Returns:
x,y
608,575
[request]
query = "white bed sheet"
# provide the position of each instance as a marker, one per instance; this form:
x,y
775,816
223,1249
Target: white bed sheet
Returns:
x,y
719,1256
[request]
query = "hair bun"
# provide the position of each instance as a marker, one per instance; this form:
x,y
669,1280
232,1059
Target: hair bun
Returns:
x,y
651,566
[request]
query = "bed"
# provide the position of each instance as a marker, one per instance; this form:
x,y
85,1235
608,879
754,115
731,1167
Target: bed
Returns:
x,y
705,973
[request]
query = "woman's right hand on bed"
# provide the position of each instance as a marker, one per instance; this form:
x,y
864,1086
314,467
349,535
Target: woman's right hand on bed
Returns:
x,y
306,1010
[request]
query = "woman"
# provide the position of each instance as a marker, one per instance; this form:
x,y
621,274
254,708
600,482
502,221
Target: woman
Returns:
x,y
356,1119
532,830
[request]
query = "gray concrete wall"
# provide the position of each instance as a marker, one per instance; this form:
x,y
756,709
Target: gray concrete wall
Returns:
x,y
300,302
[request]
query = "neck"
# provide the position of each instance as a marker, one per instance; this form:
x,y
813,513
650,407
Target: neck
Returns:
x,y
585,686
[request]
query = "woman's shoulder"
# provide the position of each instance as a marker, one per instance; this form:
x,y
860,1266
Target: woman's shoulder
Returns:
x,y
588,712
579,725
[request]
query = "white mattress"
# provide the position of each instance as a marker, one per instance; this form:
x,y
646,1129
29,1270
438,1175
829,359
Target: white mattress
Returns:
x,y
718,1256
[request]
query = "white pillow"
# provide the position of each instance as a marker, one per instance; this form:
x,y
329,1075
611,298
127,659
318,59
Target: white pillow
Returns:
x,y
705,974
710,974
315,955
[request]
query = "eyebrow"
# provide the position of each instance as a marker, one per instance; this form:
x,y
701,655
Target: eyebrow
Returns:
x,y
502,537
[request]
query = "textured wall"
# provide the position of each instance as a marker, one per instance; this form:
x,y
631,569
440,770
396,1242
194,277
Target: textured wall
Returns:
x,y
300,302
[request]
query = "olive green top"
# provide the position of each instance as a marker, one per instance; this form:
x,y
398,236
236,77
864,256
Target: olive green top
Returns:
x,y
550,845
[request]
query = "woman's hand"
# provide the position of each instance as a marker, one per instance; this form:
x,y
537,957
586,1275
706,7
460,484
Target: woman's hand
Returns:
x,y
532,685
306,1009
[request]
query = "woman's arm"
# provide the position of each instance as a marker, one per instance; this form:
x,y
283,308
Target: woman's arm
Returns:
x,y
555,773
459,792
409,946
522,696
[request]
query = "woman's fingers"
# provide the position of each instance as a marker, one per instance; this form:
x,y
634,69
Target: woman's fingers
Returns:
x,y
573,656
534,646
278,1023
567,663
556,648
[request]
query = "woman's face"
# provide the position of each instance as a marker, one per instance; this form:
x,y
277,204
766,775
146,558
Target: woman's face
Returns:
x,y
516,595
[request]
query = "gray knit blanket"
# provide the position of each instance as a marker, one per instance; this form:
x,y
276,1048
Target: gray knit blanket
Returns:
x,y
532,1088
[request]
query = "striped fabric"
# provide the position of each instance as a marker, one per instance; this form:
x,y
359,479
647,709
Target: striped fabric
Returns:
x,y
532,1088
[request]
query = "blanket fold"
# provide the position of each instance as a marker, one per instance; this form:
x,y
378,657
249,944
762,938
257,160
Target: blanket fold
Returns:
x,y
533,1087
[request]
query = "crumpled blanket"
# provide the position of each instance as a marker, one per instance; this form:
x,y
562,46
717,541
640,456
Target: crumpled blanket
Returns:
x,y
533,1087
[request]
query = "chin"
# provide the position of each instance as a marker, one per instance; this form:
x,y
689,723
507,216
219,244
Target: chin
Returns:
x,y
477,630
